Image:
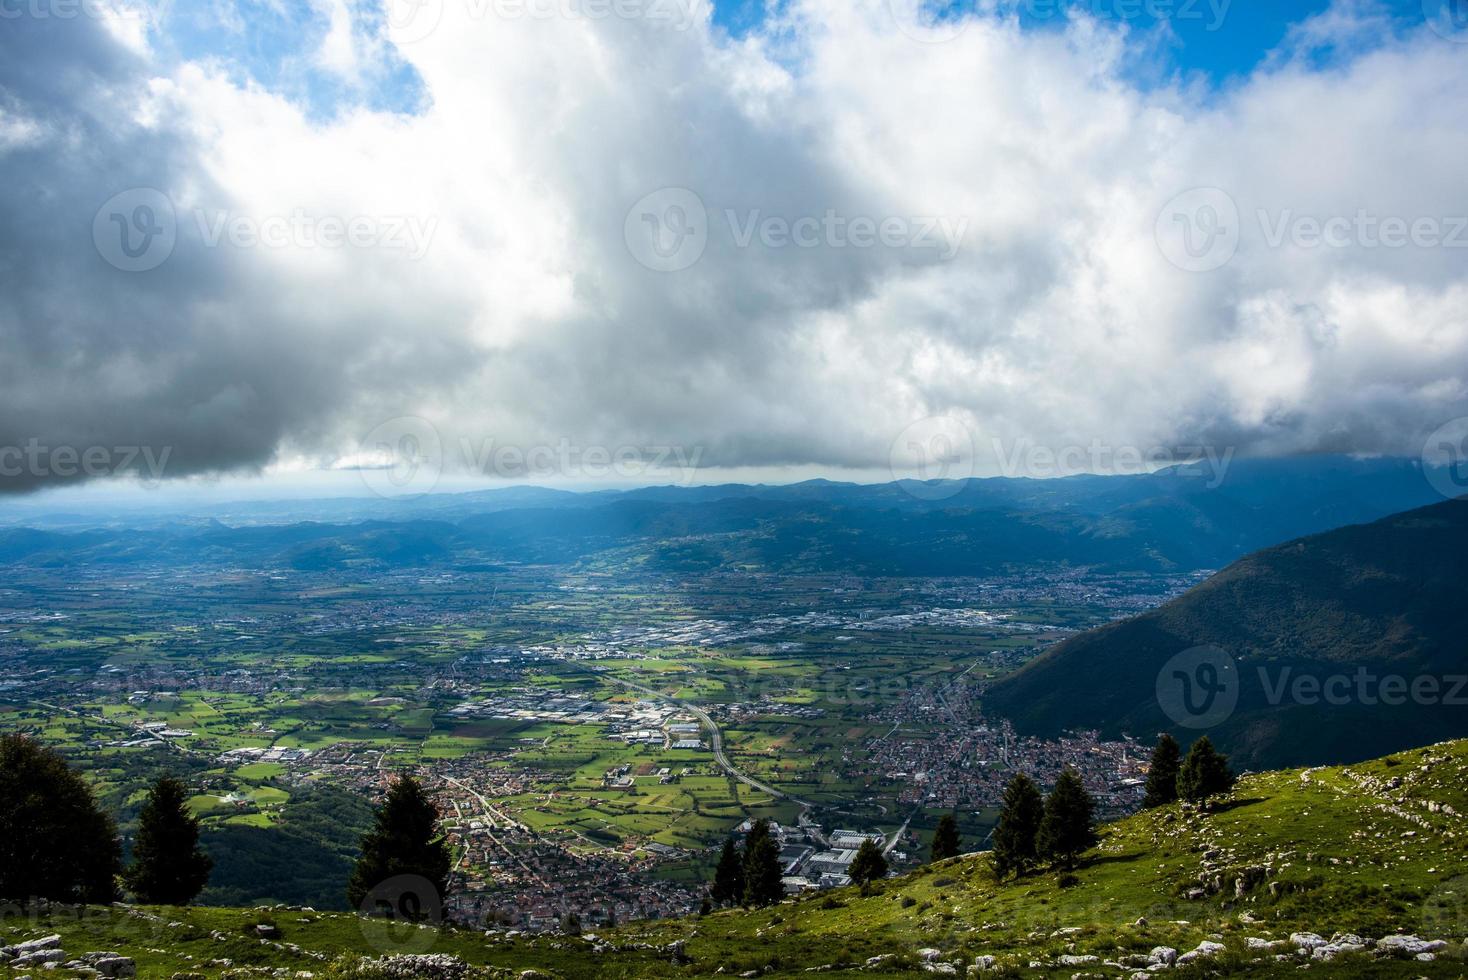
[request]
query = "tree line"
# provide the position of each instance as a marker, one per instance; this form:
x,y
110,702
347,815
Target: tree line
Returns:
x,y
57,843
1035,829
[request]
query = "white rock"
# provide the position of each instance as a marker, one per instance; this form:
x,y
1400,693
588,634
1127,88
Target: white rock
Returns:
x,y
1306,940
1411,945
1204,951
1165,955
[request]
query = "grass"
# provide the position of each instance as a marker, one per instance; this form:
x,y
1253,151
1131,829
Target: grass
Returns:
x,y
1367,849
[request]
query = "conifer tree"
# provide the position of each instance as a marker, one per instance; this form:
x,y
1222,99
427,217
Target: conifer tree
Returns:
x,y
762,872
869,865
55,842
1204,773
728,887
404,842
1162,773
1019,824
945,838
1068,828
168,867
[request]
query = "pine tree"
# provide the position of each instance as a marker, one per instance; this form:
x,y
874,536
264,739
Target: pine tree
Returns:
x,y
1162,773
869,865
945,838
762,872
55,842
1019,824
1204,773
168,868
728,887
1068,828
404,842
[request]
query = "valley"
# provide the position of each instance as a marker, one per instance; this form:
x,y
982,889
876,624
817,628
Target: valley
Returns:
x,y
591,733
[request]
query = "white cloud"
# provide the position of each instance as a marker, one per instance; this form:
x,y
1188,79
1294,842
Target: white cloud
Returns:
x,y
1058,320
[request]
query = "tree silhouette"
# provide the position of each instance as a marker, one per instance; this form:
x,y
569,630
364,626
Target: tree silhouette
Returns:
x,y
762,871
1204,773
1162,773
1068,828
55,842
1020,814
869,865
945,838
168,868
403,843
728,887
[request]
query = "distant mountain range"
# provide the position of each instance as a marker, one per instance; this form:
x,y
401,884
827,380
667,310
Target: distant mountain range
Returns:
x,y
1177,519
1307,632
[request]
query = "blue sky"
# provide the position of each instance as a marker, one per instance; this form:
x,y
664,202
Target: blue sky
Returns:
x,y
1220,47
1219,40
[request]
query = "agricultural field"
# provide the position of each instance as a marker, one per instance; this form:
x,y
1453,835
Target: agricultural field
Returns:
x,y
564,716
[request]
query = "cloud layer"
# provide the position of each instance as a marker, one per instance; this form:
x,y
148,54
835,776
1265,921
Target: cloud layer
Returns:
x,y
781,250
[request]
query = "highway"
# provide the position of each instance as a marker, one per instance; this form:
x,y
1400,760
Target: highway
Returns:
x,y
716,737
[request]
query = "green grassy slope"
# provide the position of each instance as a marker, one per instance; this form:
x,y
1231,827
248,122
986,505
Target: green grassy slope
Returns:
x,y
1375,849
